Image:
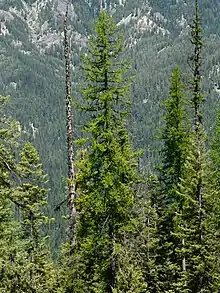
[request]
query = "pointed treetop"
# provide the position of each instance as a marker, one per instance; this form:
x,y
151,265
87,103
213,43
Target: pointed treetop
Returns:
x,y
197,7
197,11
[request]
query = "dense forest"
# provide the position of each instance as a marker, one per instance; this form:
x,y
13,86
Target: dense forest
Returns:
x,y
131,219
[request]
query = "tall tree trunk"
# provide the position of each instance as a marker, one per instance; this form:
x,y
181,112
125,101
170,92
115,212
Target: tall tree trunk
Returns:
x,y
197,99
69,137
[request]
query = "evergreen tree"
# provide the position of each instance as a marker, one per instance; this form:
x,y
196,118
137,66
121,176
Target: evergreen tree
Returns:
x,y
25,265
40,274
10,244
215,149
106,168
197,224
145,240
175,138
30,196
215,162
175,147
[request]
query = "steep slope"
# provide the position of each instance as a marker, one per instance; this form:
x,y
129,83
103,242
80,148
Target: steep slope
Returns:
x,y
31,67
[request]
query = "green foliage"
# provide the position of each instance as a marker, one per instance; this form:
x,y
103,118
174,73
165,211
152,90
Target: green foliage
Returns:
x,y
41,275
174,152
31,71
106,167
10,244
175,137
215,148
144,241
198,223
30,196
130,277
164,240
25,262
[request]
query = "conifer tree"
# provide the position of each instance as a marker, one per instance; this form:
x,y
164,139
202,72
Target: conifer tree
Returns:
x,y
197,224
30,195
174,152
145,241
106,168
25,265
175,134
215,161
40,274
215,150
10,245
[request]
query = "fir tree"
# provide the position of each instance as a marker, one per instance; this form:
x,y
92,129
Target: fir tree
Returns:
x,y
25,265
40,274
106,169
175,147
30,196
145,240
175,134
197,224
10,244
215,149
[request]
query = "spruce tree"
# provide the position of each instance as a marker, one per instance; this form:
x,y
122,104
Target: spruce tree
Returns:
x,y
106,168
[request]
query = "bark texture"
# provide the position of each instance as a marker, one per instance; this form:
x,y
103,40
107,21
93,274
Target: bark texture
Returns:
x,y
69,134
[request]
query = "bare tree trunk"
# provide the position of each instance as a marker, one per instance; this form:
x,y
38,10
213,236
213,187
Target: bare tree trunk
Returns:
x,y
184,259
198,116
69,137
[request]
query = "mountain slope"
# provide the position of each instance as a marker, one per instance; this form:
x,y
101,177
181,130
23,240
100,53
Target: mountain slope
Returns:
x,y
31,67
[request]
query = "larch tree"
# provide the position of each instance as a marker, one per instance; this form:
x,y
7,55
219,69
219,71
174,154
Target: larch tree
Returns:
x,y
106,169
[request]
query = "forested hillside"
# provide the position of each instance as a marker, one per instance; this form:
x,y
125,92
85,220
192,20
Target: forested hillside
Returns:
x,y
144,206
32,73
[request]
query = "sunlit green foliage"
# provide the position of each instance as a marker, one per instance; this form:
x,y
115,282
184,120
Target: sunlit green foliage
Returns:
x,y
106,166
